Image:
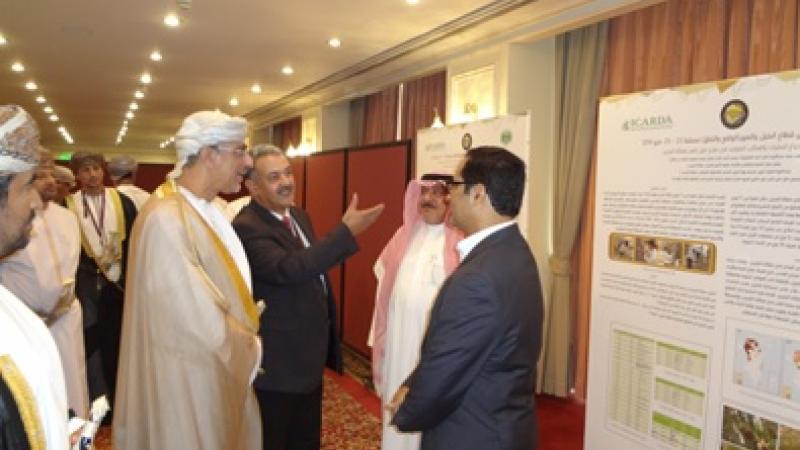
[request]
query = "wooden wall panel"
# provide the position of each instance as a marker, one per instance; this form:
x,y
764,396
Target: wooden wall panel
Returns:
x,y
379,175
325,204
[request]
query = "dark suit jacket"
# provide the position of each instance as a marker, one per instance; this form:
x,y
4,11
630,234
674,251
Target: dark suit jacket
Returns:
x,y
298,328
474,385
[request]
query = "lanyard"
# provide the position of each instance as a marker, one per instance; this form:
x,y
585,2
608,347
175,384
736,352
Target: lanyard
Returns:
x,y
87,212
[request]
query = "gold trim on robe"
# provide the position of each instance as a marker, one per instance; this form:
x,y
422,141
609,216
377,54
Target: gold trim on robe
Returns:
x,y
116,202
26,404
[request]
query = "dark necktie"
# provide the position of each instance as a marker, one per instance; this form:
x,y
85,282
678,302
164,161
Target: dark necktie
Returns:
x,y
288,222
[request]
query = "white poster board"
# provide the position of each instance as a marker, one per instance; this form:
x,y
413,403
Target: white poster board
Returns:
x,y
695,327
439,150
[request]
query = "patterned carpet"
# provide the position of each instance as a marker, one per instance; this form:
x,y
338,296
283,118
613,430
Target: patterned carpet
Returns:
x,y
349,417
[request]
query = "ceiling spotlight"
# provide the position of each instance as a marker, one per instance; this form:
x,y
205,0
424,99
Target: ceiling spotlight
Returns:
x,y
155,56
138,94
146,78
255,88
172,138
61,129
123,131
233,101
412,2
335,42
48,109
3,40
41,99
172,20
31,86
125,123
17,67
129,115
161,145
53,118
287,70
133,106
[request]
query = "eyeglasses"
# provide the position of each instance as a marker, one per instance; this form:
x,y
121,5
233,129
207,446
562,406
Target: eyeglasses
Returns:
x,y
235,151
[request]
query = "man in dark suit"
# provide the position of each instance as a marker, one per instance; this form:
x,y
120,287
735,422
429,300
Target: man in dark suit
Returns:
x,y
473,386
298,326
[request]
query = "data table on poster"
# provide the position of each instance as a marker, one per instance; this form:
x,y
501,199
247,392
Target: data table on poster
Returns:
x,y
631,389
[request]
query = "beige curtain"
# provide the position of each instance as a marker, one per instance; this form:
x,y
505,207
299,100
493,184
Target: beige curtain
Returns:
x,y
580,55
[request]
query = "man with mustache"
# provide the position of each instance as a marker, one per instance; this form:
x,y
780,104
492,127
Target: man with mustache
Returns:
x,y
410,270
33,401
298,327
43,276
105,218
190,348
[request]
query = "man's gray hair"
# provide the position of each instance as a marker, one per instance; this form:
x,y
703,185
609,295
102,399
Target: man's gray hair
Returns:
x,y
265,150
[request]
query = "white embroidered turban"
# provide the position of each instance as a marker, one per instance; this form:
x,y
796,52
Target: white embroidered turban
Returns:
x,y
204,129
19,140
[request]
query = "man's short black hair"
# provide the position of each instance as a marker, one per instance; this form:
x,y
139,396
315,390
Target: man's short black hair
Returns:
x,y
501,172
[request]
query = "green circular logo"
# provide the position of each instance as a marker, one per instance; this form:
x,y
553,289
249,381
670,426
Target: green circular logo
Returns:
x,y
505,137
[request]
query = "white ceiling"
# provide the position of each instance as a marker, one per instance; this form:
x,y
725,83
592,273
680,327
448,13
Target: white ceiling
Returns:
x,y
87,55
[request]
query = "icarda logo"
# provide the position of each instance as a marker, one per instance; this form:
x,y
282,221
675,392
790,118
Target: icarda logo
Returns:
x,y
647,123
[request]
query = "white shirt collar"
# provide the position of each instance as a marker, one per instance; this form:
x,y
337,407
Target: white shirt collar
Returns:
x,y
280,216
466,245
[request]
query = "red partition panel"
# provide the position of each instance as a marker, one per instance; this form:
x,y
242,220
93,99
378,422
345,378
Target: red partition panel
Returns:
x,y
149,176
325,204
379,175
299,171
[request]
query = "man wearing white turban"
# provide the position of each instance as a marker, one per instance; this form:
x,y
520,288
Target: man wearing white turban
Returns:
x,y
42,275
33,399
190,348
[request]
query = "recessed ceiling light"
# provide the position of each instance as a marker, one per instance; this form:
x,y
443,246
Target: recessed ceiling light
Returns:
x,y
146,78
41,99
172,20
17,67
3,40
138,94
62,129
233,101
155,56
255,88
287,70
125,123
412,2
133,106
129,115
31,86
48,109
53,118
335,42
